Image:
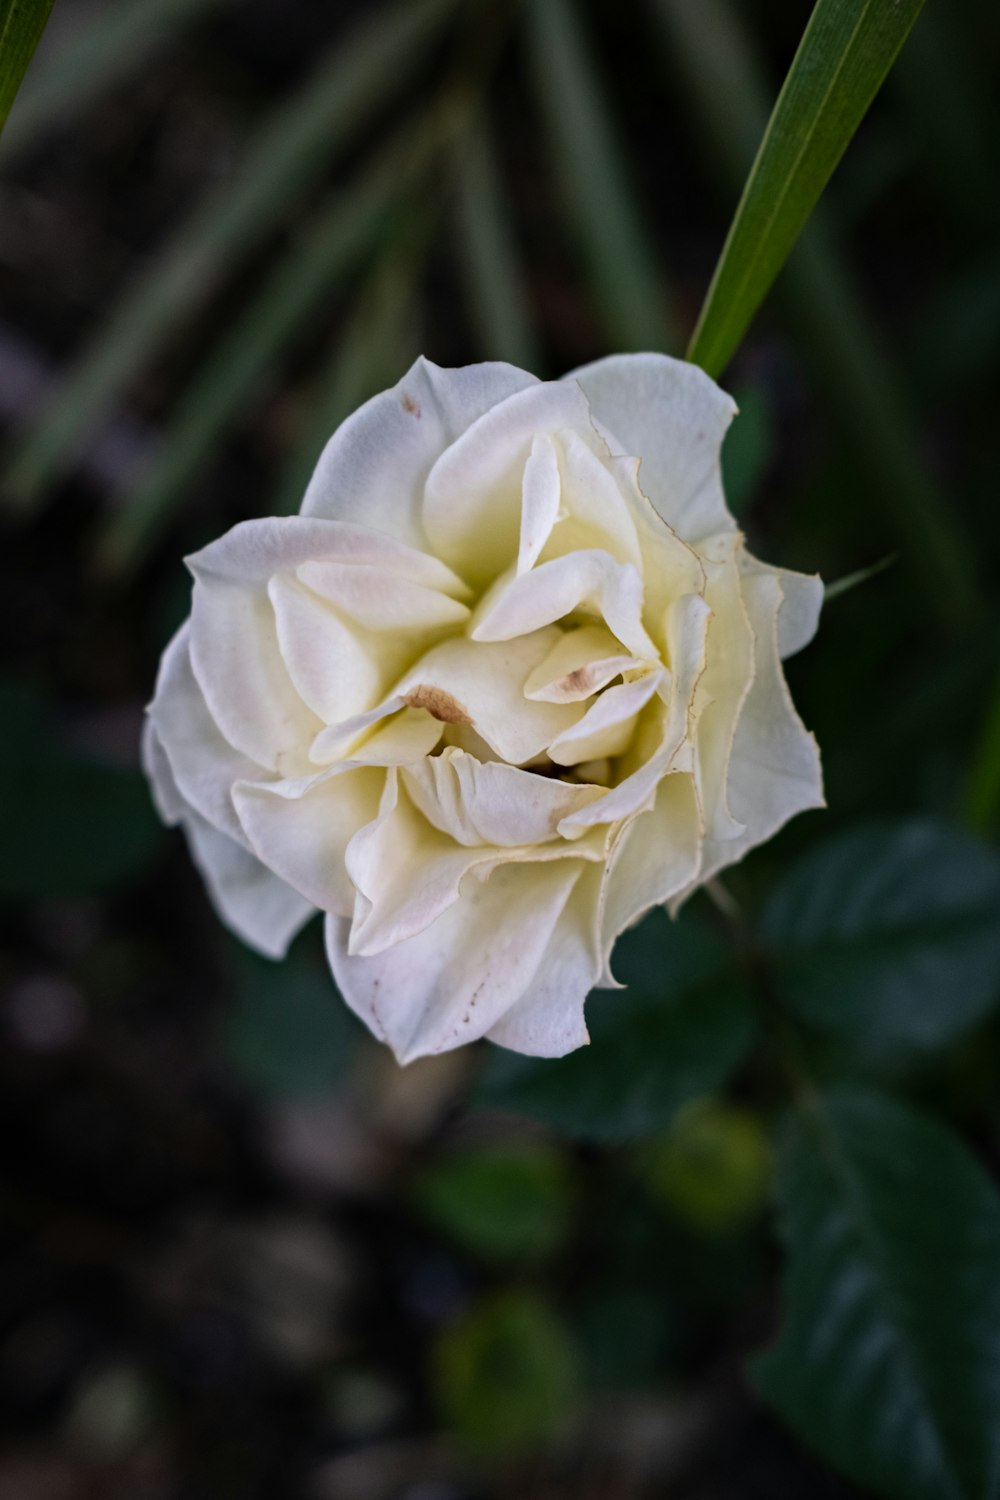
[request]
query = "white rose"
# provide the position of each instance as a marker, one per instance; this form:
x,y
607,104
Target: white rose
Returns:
x,y
509,680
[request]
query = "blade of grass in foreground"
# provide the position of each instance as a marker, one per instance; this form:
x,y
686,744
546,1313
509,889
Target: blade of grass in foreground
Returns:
x,y
289,153
629,292
21,25
714,52
847,50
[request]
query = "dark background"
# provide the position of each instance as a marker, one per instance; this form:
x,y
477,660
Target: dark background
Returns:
x,y
235,1260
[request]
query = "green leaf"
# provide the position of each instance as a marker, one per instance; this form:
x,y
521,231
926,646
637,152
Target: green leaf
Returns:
x,y
852,580
112,44
890,933
712,1168
506,1375
628,287
888,1361
679,1030
501,1202
846,51
69,825
288,1033
21,25
290,152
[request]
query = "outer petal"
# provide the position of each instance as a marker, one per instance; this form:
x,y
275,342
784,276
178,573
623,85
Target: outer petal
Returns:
x,y
202,764
374,467
658,855
774,770
451,983
801,602
261,909
673,417
548,1020
258,906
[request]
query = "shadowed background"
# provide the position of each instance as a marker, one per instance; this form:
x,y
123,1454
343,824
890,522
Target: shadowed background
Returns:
x,y
244,1255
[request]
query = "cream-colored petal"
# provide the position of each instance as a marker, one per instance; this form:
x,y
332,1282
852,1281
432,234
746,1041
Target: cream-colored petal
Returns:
x,y
452,982
580,663
472,499
582,581
482,684
301,829
337,668
381,600
167,799
203,765
608,725
801,602
774,769
540,494
673,417
658,855
548,1020
374,467
596,514
494,803
722,688
252,901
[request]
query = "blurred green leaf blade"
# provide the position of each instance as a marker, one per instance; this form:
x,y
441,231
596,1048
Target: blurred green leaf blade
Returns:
x,y
21,25
890,933
846,51
290,152
679,1030
888,1364
627,277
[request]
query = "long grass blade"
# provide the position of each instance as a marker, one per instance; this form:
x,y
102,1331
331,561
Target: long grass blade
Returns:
x,y
99,53
716,57
846,51
630,292
290,153
21,25
496,295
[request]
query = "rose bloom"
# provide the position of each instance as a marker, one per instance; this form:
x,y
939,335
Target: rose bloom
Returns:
x,y
509,680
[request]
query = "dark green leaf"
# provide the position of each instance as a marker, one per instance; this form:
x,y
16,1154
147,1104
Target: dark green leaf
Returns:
x,y
888,1362
506,1374
288,1032
848,48
510,1202
21,25
678,1030
69,825
890,933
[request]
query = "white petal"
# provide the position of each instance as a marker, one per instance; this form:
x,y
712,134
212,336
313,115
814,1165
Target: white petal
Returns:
x,y
548,1020
167,800
337,669
774,770
452,982
203,764
540,491
380,599
801,602
722,688
258,906
597,514
301,829
492,803
658,855
580,663
591,580
673,417
608,725
482,684
472,499
374,467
